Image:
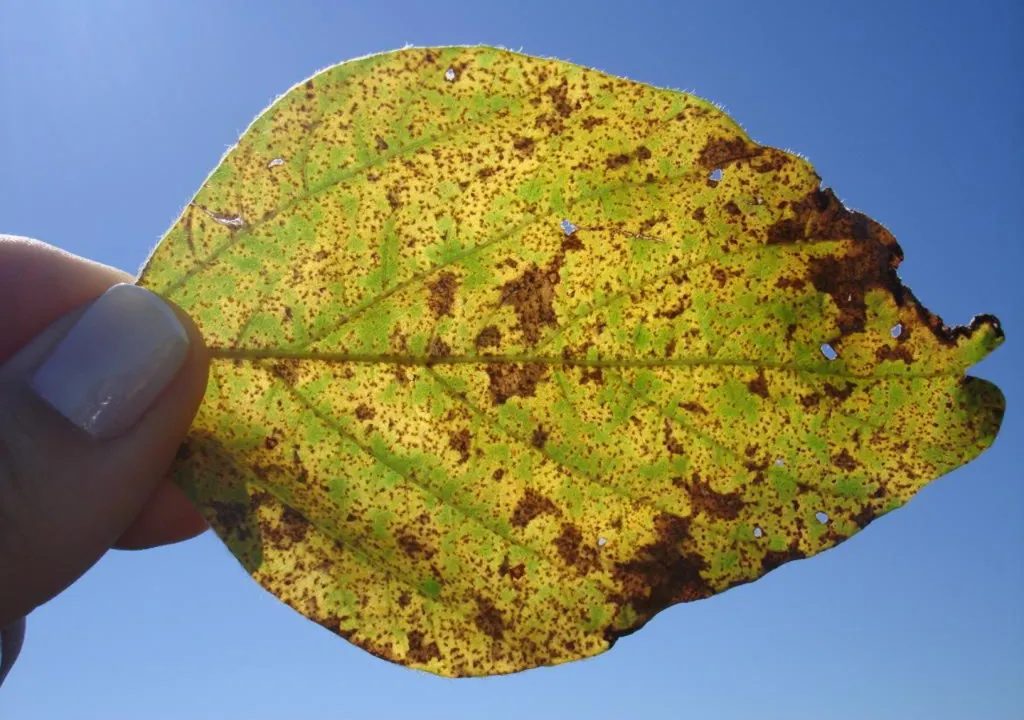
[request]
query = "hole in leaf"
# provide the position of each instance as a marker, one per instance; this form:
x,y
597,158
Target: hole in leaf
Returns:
x,y
450,75
715,175
828,351
567,227
602,541
896,330
275,162
758,532
779,462
821,517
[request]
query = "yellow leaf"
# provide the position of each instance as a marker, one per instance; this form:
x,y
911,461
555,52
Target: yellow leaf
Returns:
x,y
510,354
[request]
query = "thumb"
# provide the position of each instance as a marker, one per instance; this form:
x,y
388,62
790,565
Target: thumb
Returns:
x,y
91,413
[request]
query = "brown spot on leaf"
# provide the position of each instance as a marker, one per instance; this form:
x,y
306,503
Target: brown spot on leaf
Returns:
x,y
699,215
524,145
845,461
364,412
773,558
572,242
513,571
438,348
559,96
291,529
671,313
810,400
663,572
490,336
839,393
721,276
790,283
510,380
673,446
380,143
539,437
531,505
421,651
719,151
869,263
616,161
393,199
864,516
287,370
573,551
413,547
460,442
488,619
442,294
899,352
759,385
532,297
722,506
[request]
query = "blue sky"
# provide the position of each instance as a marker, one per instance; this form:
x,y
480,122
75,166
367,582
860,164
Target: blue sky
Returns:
x,y
111,114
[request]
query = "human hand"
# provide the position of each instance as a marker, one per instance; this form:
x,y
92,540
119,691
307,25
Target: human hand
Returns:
x,y
97,391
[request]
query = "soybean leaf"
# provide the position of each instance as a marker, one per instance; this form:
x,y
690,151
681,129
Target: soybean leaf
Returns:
x,y
510,354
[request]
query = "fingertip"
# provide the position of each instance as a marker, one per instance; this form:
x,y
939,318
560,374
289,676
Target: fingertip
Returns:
x,y
167,517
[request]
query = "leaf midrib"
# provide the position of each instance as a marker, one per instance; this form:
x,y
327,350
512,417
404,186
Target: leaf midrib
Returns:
x,y
340,358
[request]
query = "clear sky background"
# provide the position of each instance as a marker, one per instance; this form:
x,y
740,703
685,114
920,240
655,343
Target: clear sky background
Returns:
x,y
112,113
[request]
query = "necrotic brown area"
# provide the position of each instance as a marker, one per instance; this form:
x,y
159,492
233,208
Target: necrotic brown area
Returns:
x,y
509,380
720,151
774,558
413,546
490,336
442,294
532,295
759,385
291,529
460,441
574,551
531,505
421,651
488,619
724,506
662,573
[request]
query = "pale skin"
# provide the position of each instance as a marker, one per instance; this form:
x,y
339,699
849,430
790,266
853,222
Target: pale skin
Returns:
x,y
65,497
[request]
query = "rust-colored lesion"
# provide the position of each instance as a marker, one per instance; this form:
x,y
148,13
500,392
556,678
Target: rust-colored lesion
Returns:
x,y
460,441
441,298
421,650
489,619
662,572
509,380
718,505
488,337
532,297
530,506
575,551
